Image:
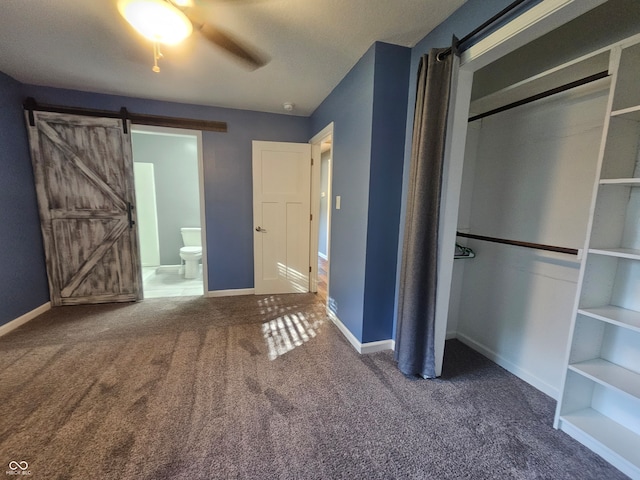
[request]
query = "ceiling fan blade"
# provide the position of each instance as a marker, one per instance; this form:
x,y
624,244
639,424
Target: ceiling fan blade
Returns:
x,y
230,44
222,39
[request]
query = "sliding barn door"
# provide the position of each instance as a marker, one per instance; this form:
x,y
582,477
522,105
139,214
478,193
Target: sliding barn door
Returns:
x,y
83,171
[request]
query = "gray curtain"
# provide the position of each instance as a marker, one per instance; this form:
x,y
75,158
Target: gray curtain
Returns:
x,y
415,351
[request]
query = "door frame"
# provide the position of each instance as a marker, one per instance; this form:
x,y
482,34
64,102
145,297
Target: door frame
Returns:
x,y
182,132
316,154
535,22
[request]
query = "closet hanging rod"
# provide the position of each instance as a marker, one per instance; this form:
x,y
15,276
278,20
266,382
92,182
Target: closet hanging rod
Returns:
x,y
30,105
517,243
541,95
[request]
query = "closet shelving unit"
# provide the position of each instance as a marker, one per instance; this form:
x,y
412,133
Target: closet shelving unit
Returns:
x,y
600,400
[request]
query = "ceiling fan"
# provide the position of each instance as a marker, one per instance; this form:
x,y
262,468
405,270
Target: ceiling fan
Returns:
x,y
171,21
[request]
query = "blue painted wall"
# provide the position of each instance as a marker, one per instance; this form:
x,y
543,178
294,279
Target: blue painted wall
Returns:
x,y
227,170
368,108
350,107
464,20
391,82
23,276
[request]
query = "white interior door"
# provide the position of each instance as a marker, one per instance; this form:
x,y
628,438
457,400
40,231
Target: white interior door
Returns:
x,y
281,215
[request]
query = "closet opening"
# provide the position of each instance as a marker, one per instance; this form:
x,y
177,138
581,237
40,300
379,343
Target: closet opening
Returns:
x,y
535,123
538,169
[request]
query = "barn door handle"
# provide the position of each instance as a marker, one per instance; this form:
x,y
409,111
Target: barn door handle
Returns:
x,y
130,215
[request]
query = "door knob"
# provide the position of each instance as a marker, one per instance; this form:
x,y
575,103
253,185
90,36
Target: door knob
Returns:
x,y
261,230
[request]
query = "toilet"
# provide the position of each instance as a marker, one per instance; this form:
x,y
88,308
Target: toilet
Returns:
x,y
191,253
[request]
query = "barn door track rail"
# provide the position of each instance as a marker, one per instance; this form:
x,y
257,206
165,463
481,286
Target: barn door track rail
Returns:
x,y
30,105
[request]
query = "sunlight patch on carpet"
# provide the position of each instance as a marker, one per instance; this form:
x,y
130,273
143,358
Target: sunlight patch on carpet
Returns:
x,y
289,331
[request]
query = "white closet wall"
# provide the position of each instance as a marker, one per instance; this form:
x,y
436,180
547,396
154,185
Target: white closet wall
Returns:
x,y
528,176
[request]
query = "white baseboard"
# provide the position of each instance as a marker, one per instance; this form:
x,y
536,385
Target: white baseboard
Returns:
x,y
510,366
323,256
230,293
450,335
369,347
379,346
22,319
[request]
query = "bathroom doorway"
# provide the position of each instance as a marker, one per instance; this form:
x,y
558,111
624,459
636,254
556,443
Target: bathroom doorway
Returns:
x,y
169,200
322,153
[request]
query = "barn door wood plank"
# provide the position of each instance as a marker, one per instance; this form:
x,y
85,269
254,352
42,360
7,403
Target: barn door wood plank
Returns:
x,y
58,214
106,244
53,136
39,178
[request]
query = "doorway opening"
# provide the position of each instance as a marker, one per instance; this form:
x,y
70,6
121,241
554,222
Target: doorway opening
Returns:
x,y
170,211
322,170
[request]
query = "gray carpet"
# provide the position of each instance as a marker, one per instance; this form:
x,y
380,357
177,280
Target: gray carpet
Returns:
x,y
260,388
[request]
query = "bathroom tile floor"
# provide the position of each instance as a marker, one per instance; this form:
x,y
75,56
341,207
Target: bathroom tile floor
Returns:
x,y
167,282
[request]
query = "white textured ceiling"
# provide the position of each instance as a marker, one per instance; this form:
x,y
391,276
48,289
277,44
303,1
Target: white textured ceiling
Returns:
x,y
87,45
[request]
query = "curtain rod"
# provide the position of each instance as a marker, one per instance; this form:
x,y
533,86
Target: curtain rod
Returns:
x,y
30,105
458,44
537,246
545,94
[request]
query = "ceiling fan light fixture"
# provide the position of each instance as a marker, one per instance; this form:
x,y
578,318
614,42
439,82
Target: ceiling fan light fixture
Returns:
x,y
157,20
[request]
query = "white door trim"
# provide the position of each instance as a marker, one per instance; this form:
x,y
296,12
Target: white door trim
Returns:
x,y
315,205
181,132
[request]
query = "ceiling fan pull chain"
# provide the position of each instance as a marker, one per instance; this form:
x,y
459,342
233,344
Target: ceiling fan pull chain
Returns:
x,y
156,56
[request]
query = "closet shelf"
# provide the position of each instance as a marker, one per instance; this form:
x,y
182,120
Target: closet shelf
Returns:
x,y
614,437
623,182
629,253
600,402
632,113
609,375
614,315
